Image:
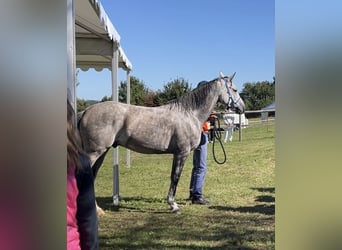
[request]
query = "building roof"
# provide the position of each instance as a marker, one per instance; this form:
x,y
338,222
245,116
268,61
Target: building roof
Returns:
x,y
271,106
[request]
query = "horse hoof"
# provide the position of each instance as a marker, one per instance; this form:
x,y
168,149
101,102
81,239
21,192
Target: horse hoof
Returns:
x,y
100,211
175,210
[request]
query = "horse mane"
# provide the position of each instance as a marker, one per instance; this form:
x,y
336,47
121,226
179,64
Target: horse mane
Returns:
x,y
193,99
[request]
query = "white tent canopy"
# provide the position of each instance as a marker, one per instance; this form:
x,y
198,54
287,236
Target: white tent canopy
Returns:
x,y
96,38
92,42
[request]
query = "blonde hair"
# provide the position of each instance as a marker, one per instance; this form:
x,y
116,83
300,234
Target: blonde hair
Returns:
x,y
74,149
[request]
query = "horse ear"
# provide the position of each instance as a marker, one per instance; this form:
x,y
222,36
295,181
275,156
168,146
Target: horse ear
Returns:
x,y
221,75
231,77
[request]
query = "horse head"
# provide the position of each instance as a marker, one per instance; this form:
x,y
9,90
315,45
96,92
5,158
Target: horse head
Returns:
x,y
229,94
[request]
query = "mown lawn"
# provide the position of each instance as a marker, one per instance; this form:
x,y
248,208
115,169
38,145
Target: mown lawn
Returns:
x,y
241,192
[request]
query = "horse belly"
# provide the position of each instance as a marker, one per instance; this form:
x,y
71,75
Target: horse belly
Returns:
x,y
146,148
148,142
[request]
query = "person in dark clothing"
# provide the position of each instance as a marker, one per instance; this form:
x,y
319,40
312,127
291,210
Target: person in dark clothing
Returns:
x,y
212,119
199,171
199,168
86,207
82,223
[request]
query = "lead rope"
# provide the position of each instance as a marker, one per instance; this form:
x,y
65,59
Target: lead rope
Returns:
x,y
218,136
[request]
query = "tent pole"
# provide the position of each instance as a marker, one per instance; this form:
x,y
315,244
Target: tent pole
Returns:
x,y
71,63
115,94
128,153
240,127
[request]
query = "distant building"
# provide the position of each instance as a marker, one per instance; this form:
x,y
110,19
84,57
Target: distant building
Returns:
x,y
266,111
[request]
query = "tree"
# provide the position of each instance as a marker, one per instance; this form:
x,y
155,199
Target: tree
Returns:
x,y
258,95
82,104
141,95
106,98
138,91
172,90
150,100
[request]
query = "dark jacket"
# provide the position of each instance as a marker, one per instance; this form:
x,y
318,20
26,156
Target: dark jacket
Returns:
x,y
86,208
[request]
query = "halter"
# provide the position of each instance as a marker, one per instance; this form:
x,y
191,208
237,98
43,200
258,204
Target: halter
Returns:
x,y
231,99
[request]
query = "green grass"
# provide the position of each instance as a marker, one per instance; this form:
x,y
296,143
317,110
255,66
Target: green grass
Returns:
x,y
241,192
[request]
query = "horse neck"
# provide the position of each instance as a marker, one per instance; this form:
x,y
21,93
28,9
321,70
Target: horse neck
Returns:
x,y
197,103
207,105
203,112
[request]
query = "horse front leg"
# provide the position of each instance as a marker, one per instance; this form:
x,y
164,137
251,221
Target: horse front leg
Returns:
x,y
177,167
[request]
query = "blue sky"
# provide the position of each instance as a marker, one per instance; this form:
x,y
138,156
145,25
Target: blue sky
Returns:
x,y
190,39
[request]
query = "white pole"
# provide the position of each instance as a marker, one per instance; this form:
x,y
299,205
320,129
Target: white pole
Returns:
x,y
71,63
240,127
115,94
128,153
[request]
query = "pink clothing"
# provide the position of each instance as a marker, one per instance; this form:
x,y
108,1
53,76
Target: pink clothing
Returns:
x,y
73,236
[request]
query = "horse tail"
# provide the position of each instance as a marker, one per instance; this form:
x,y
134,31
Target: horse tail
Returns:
x,y
79,118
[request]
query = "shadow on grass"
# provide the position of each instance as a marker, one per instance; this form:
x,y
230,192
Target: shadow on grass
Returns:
x,y
265,198
189,231
261,209
265,190
106,203
134,227
266,209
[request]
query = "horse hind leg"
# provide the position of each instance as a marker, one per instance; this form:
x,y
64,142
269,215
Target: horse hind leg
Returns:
x,y
177,167
95,167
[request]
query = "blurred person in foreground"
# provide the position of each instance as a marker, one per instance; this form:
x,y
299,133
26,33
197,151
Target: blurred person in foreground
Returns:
x,y
82,223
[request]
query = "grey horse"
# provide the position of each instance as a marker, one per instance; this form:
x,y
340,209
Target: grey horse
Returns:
x,y
175,128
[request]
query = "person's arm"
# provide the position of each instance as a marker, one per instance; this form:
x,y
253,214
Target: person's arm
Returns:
x,y
86,208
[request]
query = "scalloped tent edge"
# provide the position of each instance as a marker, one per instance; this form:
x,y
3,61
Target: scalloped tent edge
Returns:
x,y
96,38
92,42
